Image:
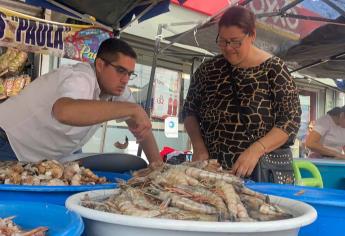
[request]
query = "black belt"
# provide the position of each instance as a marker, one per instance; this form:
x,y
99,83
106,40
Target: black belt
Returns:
x,y
3,134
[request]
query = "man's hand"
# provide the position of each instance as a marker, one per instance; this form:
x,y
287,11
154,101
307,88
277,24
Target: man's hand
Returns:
x,y
247,161
156,164
139,124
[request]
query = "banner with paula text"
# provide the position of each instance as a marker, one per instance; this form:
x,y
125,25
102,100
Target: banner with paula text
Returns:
x,y
77,42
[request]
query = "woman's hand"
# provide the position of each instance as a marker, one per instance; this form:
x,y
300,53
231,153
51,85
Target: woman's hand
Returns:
x,y
200,155
247,161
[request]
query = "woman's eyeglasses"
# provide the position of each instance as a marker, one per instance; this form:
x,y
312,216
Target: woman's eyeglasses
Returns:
x,y
121,70
222,43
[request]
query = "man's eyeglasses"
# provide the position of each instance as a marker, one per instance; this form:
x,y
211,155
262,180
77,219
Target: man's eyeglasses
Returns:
x,y
121,70
232,43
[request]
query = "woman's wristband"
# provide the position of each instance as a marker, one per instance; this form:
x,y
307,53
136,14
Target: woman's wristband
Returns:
x,y
263,146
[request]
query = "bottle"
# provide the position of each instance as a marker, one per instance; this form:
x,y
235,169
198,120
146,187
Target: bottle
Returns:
x,y
174,113
170,105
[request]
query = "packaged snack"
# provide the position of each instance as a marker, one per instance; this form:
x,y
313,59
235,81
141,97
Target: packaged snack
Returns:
x,y
6,58
27,80
18,85
2,90
8,85
17,64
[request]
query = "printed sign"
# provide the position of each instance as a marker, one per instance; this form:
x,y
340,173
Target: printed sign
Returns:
x,y
166,93
77,42
171,127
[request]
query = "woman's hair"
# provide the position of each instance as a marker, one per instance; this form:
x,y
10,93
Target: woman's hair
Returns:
x,y
336,111
240,17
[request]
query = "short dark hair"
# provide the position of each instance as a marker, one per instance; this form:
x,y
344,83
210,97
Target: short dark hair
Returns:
x,y
240,17
110,48
336,111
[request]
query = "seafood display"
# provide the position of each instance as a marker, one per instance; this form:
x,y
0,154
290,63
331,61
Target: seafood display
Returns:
x,y
48,172
9,228
190,191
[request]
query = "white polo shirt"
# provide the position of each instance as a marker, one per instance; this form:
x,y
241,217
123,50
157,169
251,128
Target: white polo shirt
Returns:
x,y
33,132
332,135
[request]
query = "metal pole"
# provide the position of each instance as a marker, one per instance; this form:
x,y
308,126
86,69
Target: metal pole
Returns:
x,y
290,5
104,132
335,7
202,23
152,76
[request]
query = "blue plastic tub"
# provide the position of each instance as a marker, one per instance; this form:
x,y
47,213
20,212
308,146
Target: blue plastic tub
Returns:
x,y
59,220
329,204
54,194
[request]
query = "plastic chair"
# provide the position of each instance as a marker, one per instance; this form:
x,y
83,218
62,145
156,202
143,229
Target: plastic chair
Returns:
x,y
314,181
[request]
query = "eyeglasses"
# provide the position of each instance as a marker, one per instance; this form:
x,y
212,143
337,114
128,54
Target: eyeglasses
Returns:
x,y
121,70
232,43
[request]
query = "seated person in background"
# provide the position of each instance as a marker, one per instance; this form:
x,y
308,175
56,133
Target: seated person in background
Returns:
x,y
328,135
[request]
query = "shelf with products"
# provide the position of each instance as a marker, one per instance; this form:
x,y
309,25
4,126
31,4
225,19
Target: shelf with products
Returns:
x,y
15,71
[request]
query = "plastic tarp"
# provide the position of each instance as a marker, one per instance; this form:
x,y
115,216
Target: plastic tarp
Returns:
x,y
111,13
310,33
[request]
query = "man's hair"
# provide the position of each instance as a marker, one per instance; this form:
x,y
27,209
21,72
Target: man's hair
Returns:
x,y
110,48
240,17
336,111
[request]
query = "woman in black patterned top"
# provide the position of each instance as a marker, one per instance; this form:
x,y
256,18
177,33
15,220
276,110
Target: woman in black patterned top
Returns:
x,y
267,97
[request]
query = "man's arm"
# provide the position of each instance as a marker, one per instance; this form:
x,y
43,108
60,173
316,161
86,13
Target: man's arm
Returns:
x,y
192,126
151,150
82,112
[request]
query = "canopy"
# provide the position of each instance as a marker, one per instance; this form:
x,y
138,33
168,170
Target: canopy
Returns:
x,y
308,35
114,13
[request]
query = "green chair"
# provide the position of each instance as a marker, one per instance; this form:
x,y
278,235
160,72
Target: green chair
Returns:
x,y
314,181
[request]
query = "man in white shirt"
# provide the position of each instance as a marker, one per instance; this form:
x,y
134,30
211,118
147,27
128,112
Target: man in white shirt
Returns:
x,y
58,112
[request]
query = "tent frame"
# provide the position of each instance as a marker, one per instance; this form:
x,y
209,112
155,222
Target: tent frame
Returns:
x,y
282,13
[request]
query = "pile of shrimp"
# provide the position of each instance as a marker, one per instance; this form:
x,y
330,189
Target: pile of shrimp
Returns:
x,y
9,228
48,172
189,191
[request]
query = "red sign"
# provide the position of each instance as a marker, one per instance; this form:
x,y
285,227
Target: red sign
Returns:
x,y
297,26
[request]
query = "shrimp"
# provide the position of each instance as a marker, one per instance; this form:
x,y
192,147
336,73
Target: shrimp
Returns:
x,y
236,208
206,196
182,202
178,214
126,206
260,206
144,176
176,175
40,231
243,189
203,174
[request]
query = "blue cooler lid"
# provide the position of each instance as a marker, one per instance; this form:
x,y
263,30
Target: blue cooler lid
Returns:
x,y
324,196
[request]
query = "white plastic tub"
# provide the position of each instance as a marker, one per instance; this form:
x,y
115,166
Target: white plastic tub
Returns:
x,y
103,223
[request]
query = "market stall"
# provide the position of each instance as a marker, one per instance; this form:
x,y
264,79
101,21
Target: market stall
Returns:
x,y
74,47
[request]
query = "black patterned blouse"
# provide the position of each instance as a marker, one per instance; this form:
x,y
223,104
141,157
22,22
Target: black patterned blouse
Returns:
x,y
268,97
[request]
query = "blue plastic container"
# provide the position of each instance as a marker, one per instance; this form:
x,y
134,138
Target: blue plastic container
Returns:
x,y
59,220
329,204
54,194
332,172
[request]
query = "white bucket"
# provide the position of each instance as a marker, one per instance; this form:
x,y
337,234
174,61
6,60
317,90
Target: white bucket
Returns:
x,y
104,223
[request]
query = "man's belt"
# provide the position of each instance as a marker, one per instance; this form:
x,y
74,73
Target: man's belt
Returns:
x,y
3,135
